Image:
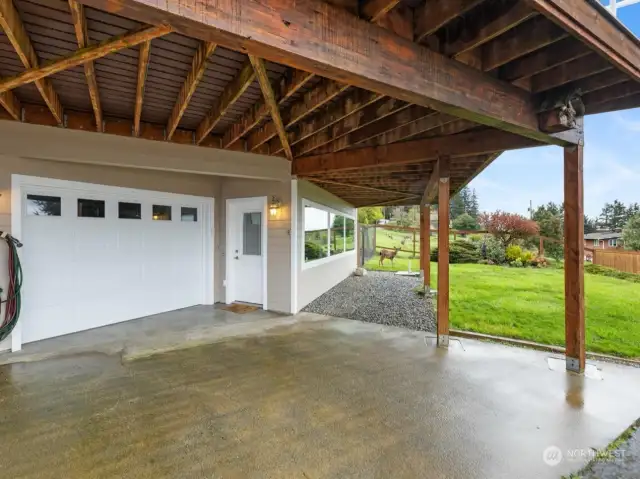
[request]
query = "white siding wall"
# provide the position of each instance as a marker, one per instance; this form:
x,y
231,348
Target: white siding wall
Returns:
x,y
316,280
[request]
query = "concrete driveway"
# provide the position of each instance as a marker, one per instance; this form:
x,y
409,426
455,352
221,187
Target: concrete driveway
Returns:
x,y
318,398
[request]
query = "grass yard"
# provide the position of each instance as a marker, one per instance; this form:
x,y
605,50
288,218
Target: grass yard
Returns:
x,y
528,303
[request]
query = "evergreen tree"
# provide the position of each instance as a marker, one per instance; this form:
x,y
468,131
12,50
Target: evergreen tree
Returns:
x,y
618,215
456,206
589,225
474,207
550,219
632,210
604,220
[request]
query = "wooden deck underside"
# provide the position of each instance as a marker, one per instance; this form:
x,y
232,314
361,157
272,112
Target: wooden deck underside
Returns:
x,y
373,136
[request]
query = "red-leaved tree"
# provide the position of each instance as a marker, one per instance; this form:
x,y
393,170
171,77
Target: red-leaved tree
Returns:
x,y
508,227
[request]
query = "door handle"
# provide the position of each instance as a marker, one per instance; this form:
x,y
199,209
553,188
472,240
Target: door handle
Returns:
x,y
235,257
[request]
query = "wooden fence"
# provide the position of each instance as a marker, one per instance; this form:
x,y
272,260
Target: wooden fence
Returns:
x,y
628,261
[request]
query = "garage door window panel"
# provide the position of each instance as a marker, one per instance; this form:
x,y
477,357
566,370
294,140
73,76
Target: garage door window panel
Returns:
x,y
188,214
129,211
42,205
90,208
161,213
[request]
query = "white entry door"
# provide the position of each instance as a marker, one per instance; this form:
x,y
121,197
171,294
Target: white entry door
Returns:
x,y
95,255
246,250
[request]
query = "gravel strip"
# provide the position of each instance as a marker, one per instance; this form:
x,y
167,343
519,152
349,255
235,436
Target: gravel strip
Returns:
x,y
378,297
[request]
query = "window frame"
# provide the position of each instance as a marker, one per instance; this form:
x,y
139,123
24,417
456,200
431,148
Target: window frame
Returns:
x,y
329,258
613,242
596,242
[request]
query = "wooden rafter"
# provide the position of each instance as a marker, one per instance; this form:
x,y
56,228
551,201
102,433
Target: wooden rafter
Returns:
x,y
288,86
362,187
464,144
435,14
10,103
229,96
82,36
518,42
84,55
374,10
569,72
198,67
509,16
13,27
143,65
270,100
605,95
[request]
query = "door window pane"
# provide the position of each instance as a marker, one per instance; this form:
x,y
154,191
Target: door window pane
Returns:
x,y
350,234
252,234
189,214
337,234
90,208
161,213
39,205
316,229
132,211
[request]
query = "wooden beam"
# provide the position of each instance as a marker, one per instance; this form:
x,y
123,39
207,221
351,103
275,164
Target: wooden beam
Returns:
x,y
600,32
562,52
435,14
526,38
425,243
374,10
352,185
288,86
443,182
429,124
143,65
574,258
10,103
14,29
229,96
500,20
615,105
270,100
569,72
464,144
198,67
359,54
84,55
605,95
82,36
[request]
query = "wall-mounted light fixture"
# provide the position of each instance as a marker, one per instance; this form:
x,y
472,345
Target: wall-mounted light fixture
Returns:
x,y
274,206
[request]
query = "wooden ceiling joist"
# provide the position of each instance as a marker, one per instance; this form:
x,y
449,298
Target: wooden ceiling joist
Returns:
x,y
143,65
569,72
82,36
614,105
435,14
84,55
10,103
375,10
352,185
446,85
228,97
198,67
500,20
562,52
13,27
365,116
605,95
288,87
464,144
532,35
272,104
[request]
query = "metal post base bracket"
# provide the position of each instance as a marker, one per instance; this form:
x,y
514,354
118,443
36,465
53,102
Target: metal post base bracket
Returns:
x,y
573,365
443,340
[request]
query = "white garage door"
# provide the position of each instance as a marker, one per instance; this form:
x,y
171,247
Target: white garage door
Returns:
x,y
95,255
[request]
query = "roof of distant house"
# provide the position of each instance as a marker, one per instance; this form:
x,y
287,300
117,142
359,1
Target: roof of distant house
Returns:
x,y
603,235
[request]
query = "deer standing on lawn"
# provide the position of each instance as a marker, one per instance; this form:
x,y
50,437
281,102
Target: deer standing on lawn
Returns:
x,y
388,254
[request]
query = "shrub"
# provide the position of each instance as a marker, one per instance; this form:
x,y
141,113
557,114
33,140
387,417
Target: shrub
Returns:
x,y
610,272
493,250
513,252
631,233
313,251
475,238
460,251
508,227
483,261
517,263
527,257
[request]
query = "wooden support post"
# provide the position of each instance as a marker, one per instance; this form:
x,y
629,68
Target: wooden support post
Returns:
x,y
443,252
574,259
426,252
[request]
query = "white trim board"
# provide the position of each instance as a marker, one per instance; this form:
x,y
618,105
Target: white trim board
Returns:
x,y
20,182
294,246
228,295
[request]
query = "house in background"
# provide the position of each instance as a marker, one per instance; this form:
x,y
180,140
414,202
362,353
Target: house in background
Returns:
x,y
603,240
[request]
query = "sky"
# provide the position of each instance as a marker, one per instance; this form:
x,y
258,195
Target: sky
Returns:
x,y
611,162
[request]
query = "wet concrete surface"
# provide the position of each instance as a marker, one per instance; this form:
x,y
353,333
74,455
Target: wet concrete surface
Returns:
x,y
621,463
327,398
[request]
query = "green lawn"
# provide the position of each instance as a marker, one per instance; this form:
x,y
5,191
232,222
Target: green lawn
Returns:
x,y
528,303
